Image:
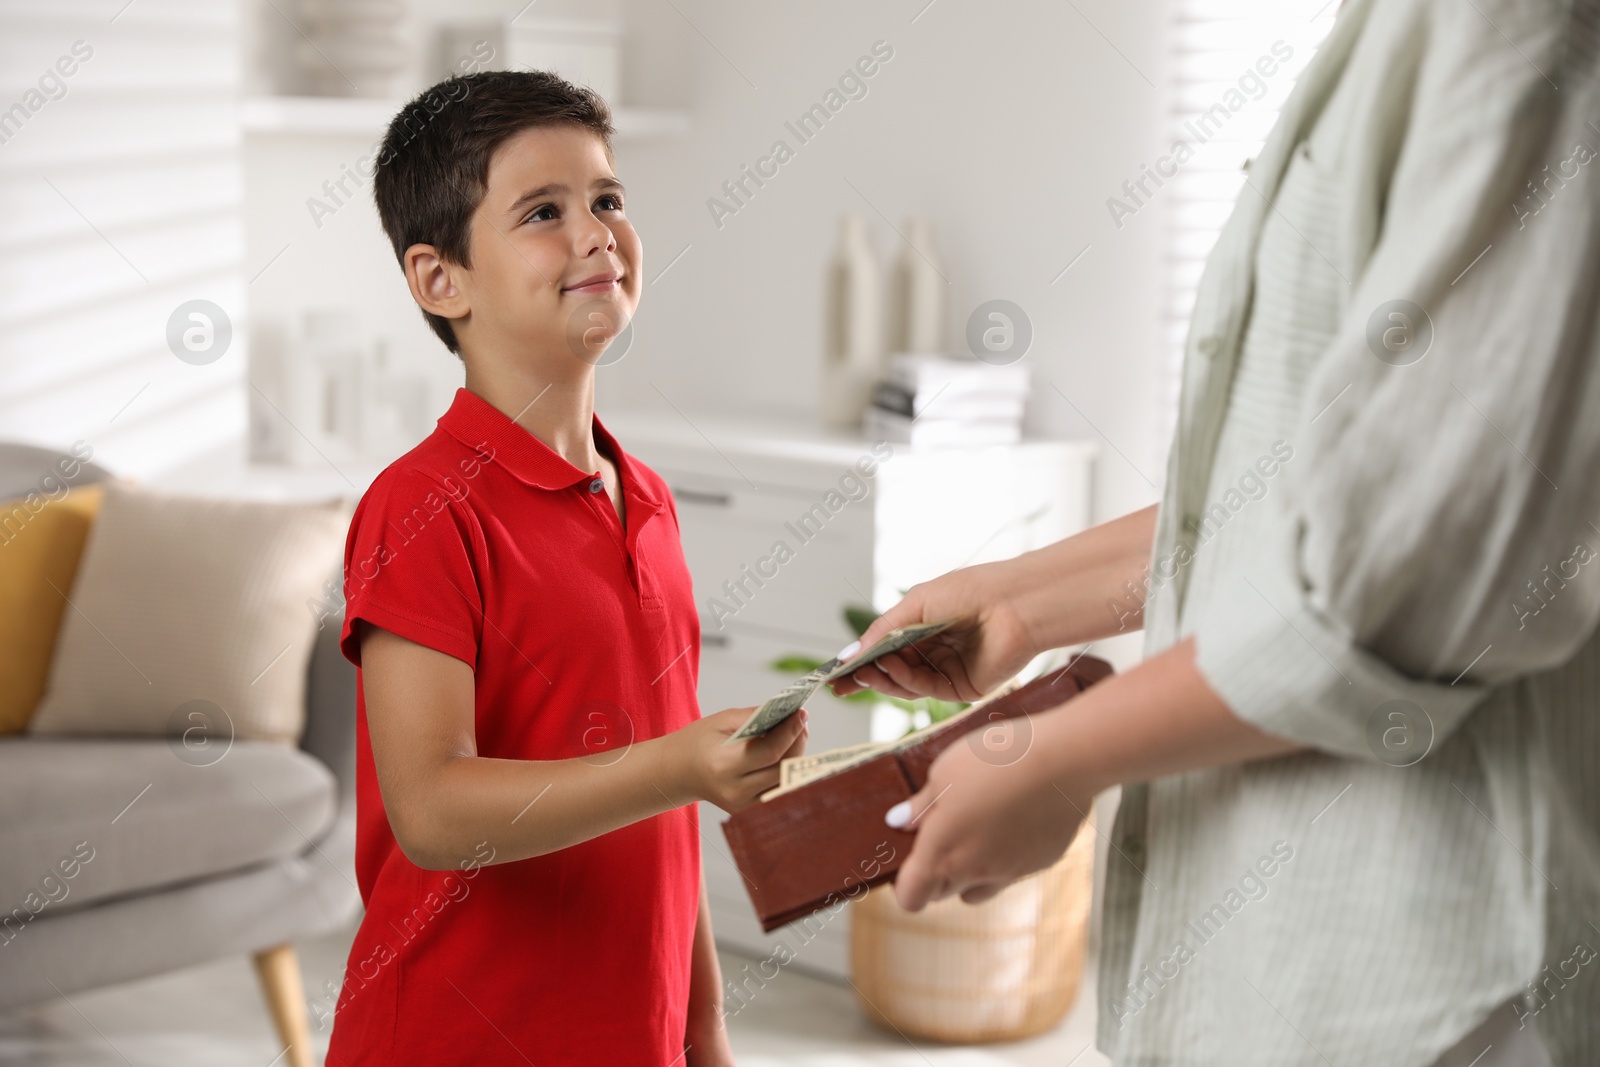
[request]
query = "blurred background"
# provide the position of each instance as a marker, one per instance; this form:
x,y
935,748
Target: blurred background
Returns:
x,y
193,154
979,243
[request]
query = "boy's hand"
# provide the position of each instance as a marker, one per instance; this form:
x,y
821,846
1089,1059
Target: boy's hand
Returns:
x,y
733,776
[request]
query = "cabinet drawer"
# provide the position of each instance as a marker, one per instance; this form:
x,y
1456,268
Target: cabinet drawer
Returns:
x,y
777,560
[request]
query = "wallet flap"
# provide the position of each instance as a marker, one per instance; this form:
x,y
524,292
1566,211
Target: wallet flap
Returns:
x,y
1047,691
814,847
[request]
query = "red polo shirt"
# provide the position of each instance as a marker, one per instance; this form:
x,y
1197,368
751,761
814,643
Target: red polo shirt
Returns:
x,y
485,544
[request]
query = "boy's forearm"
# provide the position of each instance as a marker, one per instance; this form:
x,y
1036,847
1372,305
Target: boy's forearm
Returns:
x,y
1066,592
527,808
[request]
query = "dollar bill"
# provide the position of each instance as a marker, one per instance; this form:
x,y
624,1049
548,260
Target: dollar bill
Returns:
x,y
799,770
802,770
796,693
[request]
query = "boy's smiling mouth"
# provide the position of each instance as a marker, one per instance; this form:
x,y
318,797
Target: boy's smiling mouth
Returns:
x,y
603,282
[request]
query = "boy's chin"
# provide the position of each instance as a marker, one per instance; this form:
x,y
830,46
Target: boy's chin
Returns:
x,y
596,326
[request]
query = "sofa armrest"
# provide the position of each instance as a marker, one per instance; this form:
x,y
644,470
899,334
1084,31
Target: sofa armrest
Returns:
x,y
330,730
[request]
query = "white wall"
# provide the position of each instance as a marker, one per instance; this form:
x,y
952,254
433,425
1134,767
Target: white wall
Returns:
x,y
119,201
1008,124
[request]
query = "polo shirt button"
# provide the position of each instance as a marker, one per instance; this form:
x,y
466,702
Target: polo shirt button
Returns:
x,y
1191,523
1208,346
597,485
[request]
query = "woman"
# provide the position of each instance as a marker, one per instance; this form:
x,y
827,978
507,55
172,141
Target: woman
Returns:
x,y
1359,762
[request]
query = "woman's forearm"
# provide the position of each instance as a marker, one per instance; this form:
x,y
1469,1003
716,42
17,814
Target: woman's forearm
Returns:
x,y
1160,718
1077,589
981,825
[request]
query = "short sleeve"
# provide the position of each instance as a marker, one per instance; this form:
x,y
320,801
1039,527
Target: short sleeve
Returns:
x,y
410,567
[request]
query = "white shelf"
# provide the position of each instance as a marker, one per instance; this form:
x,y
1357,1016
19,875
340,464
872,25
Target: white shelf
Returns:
x,y
792,436
363,117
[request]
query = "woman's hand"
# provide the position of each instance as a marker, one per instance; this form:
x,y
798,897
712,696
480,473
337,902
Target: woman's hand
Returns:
x,y
989,814
1075,591
986,646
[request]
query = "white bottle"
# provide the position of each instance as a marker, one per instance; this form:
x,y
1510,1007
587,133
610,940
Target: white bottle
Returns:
x,y
854,357
919,292
325,384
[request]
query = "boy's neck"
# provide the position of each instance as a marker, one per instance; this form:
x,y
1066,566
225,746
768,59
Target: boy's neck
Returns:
x,y
559,412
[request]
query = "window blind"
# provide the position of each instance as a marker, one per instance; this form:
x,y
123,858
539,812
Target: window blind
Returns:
x,y
1232,65
120,200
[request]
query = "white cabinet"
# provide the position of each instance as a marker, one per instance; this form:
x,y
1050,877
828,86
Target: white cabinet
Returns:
x,y
743,489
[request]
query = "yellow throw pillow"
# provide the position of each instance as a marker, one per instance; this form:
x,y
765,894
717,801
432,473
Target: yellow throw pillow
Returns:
x,y
40,546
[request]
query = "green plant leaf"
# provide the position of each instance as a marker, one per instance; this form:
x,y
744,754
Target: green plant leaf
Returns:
x,y
796,664
938,710
859,617
943,709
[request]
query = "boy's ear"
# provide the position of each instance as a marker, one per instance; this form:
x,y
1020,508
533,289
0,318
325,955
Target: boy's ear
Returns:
x,y
433,283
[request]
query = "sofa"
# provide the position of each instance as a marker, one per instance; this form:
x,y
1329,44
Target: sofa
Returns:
x,y
188,859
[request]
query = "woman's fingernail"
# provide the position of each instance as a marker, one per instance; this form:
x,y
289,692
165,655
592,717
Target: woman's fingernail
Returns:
x,y
848,650
899,815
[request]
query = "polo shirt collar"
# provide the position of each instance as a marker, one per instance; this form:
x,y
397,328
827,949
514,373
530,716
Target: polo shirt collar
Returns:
x,y
474,422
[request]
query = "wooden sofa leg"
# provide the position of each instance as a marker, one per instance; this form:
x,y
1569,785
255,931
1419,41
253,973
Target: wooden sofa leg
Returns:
x,y
279,970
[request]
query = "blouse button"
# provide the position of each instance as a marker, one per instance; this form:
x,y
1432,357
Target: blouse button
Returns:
x,y
1133,850
597,485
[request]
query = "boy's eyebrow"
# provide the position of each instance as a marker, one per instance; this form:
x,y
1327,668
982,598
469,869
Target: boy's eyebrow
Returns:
x,y
557,187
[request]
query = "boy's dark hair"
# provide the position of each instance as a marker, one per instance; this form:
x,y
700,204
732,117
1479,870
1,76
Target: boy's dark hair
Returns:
x,y
433,166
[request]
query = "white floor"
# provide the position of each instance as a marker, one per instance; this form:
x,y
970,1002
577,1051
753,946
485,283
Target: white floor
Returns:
x,y
213,1016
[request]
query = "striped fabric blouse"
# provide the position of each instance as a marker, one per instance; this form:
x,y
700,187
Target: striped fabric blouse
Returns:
x,y
1381,524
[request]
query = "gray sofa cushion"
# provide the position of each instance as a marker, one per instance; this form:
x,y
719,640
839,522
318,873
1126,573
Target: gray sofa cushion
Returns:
x,y
146,818
28,469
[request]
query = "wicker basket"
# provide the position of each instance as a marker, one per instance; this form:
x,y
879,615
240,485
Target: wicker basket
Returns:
x,y
1002,970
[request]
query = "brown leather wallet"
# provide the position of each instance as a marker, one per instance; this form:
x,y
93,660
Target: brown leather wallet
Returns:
x,y
826,841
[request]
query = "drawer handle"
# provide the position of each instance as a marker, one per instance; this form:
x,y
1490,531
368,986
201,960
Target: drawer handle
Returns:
x,y
698,496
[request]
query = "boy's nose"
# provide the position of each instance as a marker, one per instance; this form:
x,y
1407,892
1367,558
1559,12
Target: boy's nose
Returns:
x,y
596,237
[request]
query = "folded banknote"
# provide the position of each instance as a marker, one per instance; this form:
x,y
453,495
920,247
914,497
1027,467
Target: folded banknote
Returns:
x,y
795,694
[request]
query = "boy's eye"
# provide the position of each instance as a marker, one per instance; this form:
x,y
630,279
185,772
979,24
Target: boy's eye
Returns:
x,y
609,202
543,213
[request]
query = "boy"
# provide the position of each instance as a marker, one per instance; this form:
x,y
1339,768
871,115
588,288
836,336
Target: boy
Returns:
x,y
529,744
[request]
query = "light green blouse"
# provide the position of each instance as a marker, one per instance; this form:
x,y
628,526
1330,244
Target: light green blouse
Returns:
x,y
1381,523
